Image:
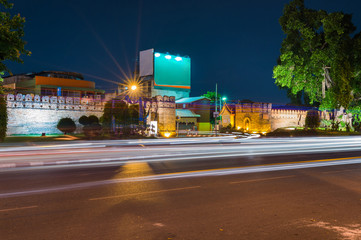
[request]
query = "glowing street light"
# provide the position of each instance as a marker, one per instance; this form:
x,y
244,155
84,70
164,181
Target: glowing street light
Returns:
x,y
133,87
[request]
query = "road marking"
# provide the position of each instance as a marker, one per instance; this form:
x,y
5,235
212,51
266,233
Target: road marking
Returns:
x,y
134,194
262,179
19,208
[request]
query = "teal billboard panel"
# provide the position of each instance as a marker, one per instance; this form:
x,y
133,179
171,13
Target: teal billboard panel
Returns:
x,y
172,72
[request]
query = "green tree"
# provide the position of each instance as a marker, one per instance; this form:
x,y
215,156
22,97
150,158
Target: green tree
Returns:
x,y
123,113
320,55
11,48
212,95
93,119
66,125
312,119
12,45
84,120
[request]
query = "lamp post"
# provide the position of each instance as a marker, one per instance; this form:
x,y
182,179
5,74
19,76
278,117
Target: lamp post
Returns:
x,y
220,102
134,90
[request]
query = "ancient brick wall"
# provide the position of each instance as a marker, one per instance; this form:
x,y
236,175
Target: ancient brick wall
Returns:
x,y
261,117
287,118
253,117
162,110
29,114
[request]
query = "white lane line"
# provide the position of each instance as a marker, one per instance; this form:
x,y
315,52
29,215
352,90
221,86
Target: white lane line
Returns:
x,y
18,208
262,179
151,192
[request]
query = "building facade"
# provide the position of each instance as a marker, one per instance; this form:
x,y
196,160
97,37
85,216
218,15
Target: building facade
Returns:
x,y
193,113
52,83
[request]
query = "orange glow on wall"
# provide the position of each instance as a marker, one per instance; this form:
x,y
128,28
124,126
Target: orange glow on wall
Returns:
x,y
63,82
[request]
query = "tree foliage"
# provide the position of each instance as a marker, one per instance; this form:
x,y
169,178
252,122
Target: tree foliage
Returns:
x,y
91,126
320,55
66,125
12,45
11,48
312,119
3,118
123,113
212,95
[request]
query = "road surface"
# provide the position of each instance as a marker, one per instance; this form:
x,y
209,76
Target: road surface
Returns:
x,y
305,188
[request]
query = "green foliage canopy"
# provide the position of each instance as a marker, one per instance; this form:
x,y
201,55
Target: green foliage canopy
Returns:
x,y
320,55
11,36
123,113
66,125
212,95
11,48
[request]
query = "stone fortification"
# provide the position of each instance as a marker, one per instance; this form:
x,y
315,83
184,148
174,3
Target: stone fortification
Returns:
x,y
264,117
162,110
28,114
281,118
253,117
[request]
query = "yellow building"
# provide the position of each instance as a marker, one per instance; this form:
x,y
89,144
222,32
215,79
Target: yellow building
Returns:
x,y
249,117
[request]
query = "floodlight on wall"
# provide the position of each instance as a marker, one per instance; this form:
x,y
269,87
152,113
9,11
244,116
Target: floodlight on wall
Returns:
x,y
178,59
156,54
168,57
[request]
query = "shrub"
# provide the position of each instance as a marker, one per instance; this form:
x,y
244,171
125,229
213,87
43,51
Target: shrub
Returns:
x,y
84,120
92,130
66,125
312,119
326,123
3,118
335,125
93,119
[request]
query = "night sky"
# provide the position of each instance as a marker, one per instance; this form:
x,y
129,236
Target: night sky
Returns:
x,y
232,43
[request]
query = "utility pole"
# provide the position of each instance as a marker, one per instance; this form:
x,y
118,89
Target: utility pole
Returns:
x,y
216,115
216,97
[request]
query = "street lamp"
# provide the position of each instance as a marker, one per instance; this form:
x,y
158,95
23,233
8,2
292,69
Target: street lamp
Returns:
x,y
220,103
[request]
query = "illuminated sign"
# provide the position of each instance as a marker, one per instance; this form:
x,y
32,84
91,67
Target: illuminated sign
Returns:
x,y
172,71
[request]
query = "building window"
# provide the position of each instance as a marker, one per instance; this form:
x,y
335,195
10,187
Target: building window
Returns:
x,y
47,92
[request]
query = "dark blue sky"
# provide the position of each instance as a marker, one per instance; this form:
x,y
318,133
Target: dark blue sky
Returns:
x,y
232,43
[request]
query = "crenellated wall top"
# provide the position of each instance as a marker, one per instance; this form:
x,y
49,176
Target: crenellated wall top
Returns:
x,y
54,99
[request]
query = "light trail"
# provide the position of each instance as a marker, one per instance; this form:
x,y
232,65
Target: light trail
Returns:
x,y
198,173
93,152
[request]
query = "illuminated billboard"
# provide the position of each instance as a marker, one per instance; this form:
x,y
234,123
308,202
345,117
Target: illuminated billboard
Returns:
x,y
172,71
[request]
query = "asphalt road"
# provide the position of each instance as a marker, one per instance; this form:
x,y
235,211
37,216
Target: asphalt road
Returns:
x,y
243,195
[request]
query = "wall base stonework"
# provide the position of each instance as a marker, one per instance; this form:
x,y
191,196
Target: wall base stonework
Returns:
x,y
29,115
22,121
162,110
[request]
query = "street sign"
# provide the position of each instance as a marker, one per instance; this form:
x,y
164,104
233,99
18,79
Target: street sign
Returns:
x,y
153,128
59,91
